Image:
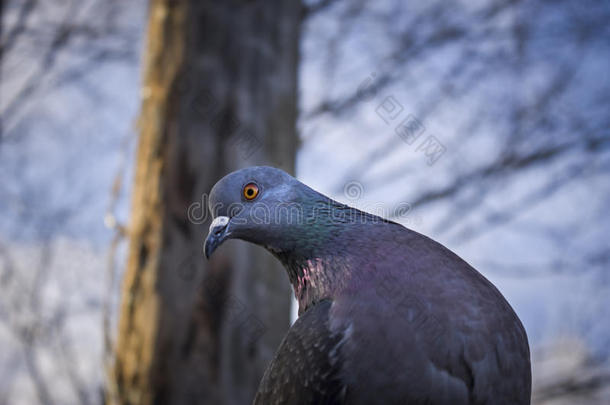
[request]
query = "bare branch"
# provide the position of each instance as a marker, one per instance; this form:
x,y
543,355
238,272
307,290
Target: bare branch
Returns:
x,y
321,5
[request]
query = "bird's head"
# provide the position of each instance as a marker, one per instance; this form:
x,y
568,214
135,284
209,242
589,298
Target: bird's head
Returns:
x,y
262,205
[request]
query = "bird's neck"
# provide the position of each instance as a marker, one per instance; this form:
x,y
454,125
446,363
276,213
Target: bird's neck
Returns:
x,y
315,278
320,256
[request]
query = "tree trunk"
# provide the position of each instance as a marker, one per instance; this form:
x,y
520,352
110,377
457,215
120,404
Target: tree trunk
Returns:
x,y
219,93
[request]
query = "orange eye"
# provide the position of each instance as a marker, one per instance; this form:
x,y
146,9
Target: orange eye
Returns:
x,y
250,191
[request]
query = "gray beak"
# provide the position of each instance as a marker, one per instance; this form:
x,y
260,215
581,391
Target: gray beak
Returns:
x,y
219,231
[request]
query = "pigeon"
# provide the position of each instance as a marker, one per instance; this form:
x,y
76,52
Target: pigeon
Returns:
x,y
386,315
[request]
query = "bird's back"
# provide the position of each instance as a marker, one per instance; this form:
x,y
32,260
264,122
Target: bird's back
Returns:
x,y
422,326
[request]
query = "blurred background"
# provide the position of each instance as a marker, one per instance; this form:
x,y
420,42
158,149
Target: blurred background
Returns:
x,y
483,124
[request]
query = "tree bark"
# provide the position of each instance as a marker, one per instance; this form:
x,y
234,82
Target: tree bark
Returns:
x,y
219,92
